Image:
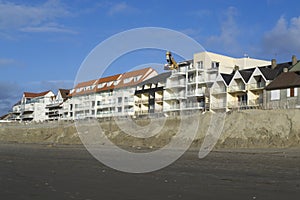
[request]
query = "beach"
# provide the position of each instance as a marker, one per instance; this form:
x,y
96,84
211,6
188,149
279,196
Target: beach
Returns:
x,y
36,171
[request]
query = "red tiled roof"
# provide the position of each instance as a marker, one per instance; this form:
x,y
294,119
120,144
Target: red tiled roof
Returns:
x,y
33,95
106,80
86,83
144,73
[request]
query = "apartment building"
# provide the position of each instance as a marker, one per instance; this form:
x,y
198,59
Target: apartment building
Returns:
x,y
54,110
149,95
245,88
32,107
111,96
188,87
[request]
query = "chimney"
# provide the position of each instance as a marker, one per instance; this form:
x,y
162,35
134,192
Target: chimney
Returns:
x,y
273,63
294,60
236,68
285,69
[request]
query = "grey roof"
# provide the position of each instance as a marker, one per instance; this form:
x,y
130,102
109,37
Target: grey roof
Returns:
x,y
184,63
285,80
271,74
227,78
268,73
296,67
158,78
246,73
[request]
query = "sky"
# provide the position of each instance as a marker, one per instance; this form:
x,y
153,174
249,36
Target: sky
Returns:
x,y
44,42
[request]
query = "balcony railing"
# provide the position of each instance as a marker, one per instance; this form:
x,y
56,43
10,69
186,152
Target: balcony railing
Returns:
x,y
236,88
258,85
195,105
199,79
174,96
174,84
171,108
180,70
198,92
237,104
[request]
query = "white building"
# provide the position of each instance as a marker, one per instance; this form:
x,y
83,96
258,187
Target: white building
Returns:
x,y
54,110
188,88
32,107
107,97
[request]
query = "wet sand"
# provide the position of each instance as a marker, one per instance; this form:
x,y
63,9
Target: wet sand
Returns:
x,y
70,172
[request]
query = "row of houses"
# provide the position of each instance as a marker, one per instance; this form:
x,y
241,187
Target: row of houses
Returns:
x,y
208,82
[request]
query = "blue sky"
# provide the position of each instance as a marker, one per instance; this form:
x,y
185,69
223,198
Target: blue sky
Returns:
x,y
43,43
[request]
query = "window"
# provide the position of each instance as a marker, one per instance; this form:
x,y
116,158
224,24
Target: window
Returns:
x,y
137,78
200,64
119,99
215,65
119,109
101,85
275,94
109,83
292,92
127,80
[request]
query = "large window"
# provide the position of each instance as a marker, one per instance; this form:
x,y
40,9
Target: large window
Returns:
x,y
275,94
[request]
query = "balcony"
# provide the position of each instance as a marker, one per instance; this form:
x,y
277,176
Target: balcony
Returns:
x,y
257,86
16,110
195,105
255,102
237,88
199,79
237,104
180,95
175,83
27,116
179,71
28,108
171,108
198,92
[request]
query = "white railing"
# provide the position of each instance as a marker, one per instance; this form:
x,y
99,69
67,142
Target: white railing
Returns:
x,y
237,104
259,85
236,88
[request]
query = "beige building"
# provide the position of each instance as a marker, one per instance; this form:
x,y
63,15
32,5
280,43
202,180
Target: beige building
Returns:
x,y
188,88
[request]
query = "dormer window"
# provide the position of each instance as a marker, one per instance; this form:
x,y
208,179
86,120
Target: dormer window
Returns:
x,y
137,78
127,80
101,85
109,83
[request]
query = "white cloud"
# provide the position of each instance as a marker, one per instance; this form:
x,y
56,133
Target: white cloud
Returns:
x,y
284,37
122,7
55,28
20,16
6,61
227,39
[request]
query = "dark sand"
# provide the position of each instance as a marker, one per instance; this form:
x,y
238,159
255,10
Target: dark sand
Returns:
x,y
70,172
